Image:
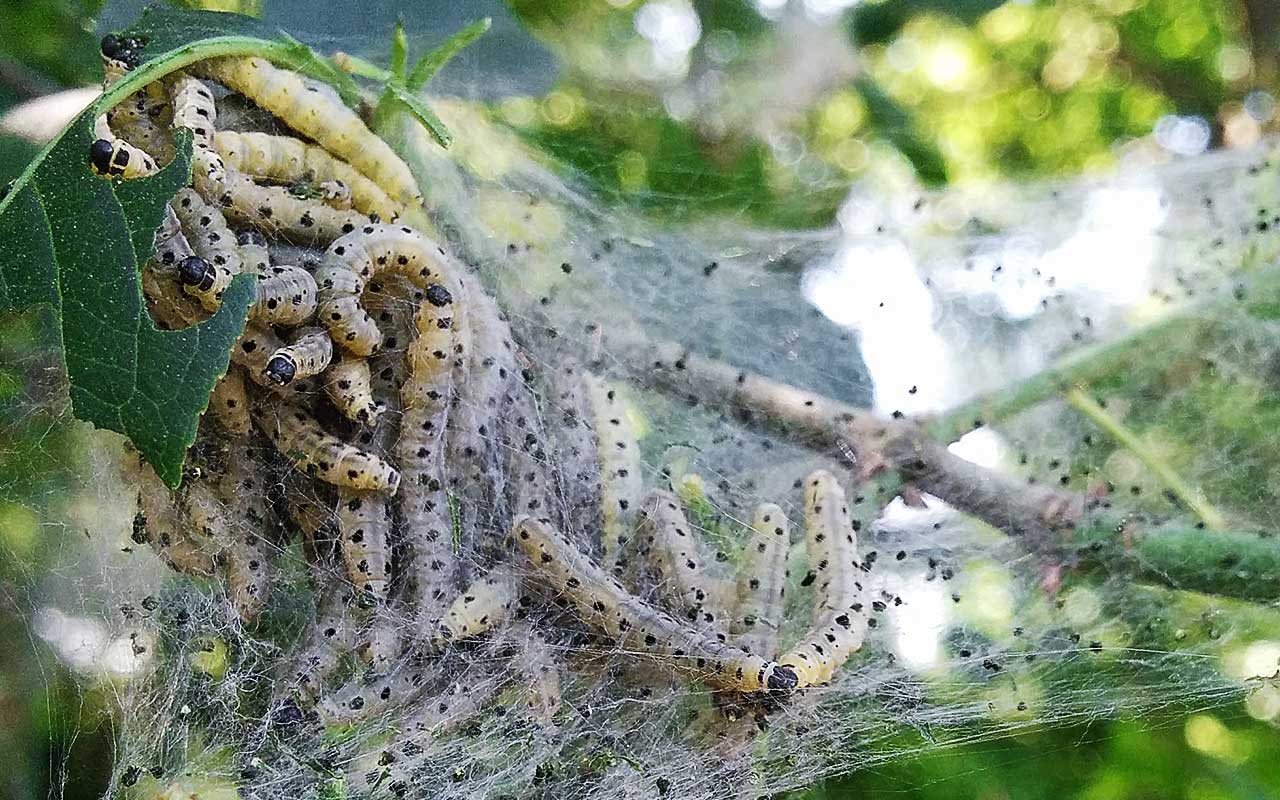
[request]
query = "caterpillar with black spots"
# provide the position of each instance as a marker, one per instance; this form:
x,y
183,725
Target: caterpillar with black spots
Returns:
x,y
311,449
318,114
604,604
217,255
667,541
839,615
348,384
309,354
284,159
619,471
356,258
113,157
762,583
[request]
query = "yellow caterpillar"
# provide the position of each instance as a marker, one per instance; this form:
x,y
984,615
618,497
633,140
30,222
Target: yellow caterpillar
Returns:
x,y
364,525
348,385
603,603
113,157
839,617
169,305
230,403
484,604
287,160
356,258
315,112
194,109
284,295
207,276
620,483
762,583
331,637
322,455
309,354
161,524
665,538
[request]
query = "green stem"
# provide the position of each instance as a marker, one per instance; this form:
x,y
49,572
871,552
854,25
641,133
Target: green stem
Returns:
x,y
355,65
1234,564
1191,497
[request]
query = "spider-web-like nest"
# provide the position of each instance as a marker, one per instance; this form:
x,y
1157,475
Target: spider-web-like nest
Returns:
x,y
979,633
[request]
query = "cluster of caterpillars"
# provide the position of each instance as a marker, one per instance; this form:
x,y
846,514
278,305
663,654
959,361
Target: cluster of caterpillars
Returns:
x,y
422,455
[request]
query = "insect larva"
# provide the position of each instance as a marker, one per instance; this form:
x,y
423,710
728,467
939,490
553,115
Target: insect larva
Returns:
x,y
604,604
347,383
216,518
619,471
285,159
424,502
160,523
275,210
255,258
359,256
839,619
300,438
331,637
364,527
230,403
762,583
484,604
217,260
144,121
669,544
113,157
252,351
285,295
369,696
309,354
317,114
460,702
194,109
539,673
170,306
573,439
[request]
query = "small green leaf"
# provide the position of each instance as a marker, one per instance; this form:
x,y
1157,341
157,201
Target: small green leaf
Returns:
x,y
433,62
399,52
421,112
74,243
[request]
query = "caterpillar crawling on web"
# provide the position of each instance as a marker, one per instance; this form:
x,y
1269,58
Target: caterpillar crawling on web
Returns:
x,y
422,448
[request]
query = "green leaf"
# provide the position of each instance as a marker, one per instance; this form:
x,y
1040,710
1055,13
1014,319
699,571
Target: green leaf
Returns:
x,y
74,243
433,62
420,111
898,125
399,52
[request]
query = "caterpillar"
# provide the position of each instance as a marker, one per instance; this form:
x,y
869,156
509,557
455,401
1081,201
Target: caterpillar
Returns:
x,y
424,395
275,209
284,295
300,438
143,120
619,471
312,511
331,636
253,350
357,257
169,305
347,383
604,604
364,525
317,114
217,256
762,583
285,159
487,602
309,354
369,696
194,109
839,617
664,536
574,441
113,157
230,404
161,524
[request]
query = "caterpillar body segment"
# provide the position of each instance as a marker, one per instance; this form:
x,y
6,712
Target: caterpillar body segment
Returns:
x,y
254,349
348,384
194,109
322,455
230,404
573,440
287,160
217,255
317,114
160,523
170,306
604,604
309,354
354,259
620,484
255,257
284,295
540,683
666,540
239,548
332,636
278,211
143,120
762,583
839,616
364,530
485,604
113,157
424,502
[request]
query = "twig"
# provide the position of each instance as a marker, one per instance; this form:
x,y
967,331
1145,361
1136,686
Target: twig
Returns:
x,y
876,444
1192,498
